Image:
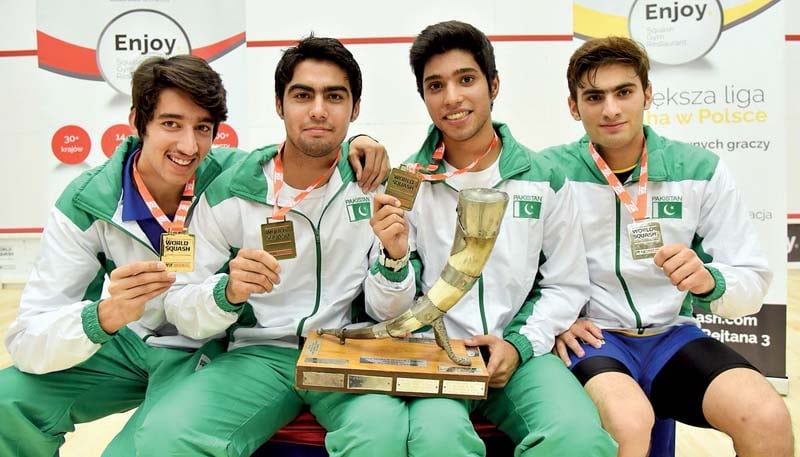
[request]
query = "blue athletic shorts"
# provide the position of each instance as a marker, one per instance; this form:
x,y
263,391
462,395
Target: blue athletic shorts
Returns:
x,y
643,356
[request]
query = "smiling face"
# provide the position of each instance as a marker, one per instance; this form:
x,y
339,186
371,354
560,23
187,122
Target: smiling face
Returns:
x,y
610,104
456,95
317,108
178,138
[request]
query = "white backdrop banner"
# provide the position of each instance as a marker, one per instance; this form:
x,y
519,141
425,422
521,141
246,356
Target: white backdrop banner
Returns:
x,y
82,85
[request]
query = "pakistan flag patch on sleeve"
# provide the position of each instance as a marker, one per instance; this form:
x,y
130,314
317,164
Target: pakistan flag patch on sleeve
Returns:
x,y
358,208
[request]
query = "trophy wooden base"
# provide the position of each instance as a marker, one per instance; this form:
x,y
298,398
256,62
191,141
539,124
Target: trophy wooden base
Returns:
x,y
404,367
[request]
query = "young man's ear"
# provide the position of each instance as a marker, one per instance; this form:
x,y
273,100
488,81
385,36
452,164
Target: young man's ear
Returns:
x,y
495,87
573,108
278,107
648,95
356,110
132,122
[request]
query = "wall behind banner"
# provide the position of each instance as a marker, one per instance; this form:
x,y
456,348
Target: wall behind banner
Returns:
x,y
532,44
793,127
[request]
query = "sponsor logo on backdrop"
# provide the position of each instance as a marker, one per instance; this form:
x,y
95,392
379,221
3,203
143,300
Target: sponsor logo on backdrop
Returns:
x,y
134,36
676,32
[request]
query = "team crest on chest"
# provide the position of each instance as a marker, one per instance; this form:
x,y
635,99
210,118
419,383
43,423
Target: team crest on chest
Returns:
x,y
667,207
527,206
358,208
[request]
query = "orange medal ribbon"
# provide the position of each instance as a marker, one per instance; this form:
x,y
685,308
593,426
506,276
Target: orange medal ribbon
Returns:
x,y
438,155
638,209
176,225
279,213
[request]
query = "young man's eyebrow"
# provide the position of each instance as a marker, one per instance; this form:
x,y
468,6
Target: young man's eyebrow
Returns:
x,y
180,117
298,86
311,89
336,89
595,90
170,116
457,72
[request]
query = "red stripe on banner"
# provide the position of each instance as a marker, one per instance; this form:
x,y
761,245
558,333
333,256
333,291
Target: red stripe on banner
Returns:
x,y
22,230
792,37
530,37
220,48
793,215
61,56
408,39
18,53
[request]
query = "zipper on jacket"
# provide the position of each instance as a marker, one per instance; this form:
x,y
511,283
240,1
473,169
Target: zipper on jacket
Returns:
x,y
318,249
316,229
619,273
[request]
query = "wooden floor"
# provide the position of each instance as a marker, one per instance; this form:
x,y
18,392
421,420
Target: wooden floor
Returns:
x,y
90,439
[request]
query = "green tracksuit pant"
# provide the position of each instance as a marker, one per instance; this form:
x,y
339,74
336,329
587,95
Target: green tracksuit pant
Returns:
x,y
543,409
37,410
244,396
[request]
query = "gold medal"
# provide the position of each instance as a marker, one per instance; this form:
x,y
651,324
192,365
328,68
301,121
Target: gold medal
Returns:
x,y
645,238
177,251
403,185
277,238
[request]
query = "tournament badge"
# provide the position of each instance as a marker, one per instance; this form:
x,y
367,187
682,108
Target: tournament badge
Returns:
x,y
277,238
177,251
645,238
403,185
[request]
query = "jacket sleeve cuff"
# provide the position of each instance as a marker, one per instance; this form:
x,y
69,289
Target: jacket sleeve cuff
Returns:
x,y
91,324
391,275
522,344
704,300
222,300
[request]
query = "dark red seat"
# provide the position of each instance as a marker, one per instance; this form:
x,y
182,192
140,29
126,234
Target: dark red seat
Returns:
x,y
304,436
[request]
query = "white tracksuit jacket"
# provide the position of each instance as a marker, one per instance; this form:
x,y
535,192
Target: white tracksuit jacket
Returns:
x,y
535,281
316,288
84,240
692,195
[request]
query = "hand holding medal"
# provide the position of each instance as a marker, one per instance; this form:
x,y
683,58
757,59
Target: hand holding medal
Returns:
x,y
390,225
252,271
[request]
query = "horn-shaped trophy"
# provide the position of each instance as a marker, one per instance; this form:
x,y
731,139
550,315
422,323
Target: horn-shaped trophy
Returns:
x,y
480,212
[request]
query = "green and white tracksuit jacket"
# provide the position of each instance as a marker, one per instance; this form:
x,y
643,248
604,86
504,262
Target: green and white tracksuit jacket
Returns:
x,y
316,288
692,195
84,240
535,281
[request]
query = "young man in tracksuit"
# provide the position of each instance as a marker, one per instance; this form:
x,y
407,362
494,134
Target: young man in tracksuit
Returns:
x,y
665,229
534,282
78,355
274,299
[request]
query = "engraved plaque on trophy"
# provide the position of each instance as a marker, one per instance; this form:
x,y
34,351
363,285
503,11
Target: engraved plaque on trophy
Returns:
x,y
405,367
